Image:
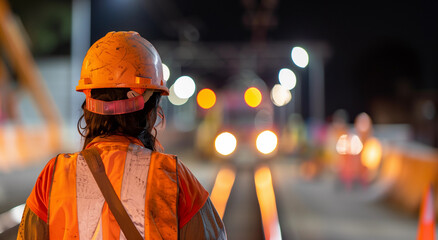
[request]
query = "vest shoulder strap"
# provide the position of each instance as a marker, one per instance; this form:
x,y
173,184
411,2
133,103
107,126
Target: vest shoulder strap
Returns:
x,y
97,168
162,197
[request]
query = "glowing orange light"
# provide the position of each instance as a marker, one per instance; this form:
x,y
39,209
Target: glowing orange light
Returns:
x,y
221,189
206,98
253,97
371,153
268,207
391,166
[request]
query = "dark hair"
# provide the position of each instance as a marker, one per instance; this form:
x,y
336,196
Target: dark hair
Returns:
x,y
139,124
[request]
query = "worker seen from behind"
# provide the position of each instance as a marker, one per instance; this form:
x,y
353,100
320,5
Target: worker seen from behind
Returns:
x,y
119,186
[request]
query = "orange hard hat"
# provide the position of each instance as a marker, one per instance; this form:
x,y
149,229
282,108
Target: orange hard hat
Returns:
x,y
121,60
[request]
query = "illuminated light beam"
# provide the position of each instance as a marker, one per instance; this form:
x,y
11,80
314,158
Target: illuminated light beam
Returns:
x,y
222,189
268,207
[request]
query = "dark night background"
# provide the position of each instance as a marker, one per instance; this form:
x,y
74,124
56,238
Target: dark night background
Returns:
x,y
383,54
380,57
380,51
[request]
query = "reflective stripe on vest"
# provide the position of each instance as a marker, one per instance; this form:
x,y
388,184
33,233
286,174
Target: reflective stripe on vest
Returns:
x,y
77,208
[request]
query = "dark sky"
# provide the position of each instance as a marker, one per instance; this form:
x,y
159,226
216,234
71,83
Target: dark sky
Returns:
x,y
378,48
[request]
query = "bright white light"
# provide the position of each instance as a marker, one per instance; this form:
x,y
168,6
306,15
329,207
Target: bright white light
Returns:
x,y
287,78
356,145
225,143
300,57
266,142
349,145
166,72
342,145
174,99
184,87
280,96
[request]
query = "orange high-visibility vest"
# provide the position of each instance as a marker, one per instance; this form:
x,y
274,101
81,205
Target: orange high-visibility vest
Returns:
x,y
145,181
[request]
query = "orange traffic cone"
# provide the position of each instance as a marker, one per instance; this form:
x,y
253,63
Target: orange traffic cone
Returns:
x,y
426,223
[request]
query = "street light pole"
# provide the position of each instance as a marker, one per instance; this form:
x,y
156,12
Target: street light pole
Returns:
x,y
318,52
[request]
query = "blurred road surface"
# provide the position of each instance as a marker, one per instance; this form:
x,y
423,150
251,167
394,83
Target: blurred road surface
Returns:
x,y
321,210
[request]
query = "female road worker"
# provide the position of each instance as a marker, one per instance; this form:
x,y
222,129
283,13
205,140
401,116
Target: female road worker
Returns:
x,y
123,81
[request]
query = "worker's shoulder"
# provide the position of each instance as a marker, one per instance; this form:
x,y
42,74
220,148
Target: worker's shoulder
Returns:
x,y
171,160
164,155
60,159
66,156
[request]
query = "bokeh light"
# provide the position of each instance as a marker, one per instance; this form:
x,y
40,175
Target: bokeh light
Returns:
x,y
184,87
225,143
342,145
166,72
356,145
300,57
372,153
266,142
287,78
280,96
363,123
174,99
253,97
206,98
349,144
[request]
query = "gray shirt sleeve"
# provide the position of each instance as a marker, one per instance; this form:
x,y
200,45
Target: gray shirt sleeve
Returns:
x,y
206,224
